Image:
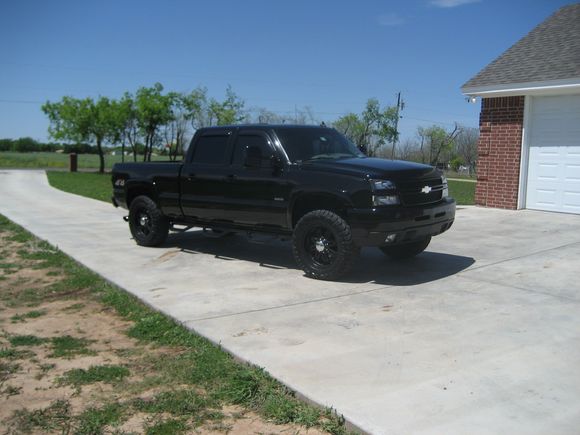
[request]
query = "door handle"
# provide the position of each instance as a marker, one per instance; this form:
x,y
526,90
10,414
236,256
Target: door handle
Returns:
x,y
231,177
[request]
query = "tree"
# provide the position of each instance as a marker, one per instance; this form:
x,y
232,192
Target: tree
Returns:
x,y
176,130
436,140
197,107
82,120
228,112
127,125
153,110
372,129
466,146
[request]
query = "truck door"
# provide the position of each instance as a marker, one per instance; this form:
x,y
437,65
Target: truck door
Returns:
x,y
204,178
258,194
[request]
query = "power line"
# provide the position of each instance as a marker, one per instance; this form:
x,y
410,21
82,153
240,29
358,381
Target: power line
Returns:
x,y
255,110
22,101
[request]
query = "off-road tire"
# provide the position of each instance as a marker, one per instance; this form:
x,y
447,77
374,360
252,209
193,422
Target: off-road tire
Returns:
x,y
408,250
322,245
148,225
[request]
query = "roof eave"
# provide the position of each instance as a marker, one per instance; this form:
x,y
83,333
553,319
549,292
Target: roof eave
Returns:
x,y
550,87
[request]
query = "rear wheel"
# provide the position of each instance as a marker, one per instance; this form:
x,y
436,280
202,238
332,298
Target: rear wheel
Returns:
x,y
408,250
148,225
322,245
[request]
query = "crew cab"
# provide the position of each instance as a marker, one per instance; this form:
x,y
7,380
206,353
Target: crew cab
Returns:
x,y
307,183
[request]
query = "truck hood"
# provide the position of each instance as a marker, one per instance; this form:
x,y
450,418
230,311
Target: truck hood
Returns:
x,y
367,167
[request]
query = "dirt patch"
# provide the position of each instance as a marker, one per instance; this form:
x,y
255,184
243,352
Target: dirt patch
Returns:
x,y
69,365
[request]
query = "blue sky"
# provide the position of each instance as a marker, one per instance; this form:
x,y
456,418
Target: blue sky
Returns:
x,y
329,55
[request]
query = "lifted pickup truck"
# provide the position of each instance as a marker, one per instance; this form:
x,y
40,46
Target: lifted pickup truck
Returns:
x,y
307,183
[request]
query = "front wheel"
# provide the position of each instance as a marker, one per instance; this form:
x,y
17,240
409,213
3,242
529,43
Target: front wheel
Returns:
x,y
408,250
322,245
148,225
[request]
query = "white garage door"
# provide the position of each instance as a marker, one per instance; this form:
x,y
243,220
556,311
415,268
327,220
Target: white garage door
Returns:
x,y
554,154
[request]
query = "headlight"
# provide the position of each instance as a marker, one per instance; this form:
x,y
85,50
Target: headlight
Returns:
x,y
445,192
382,185
385,200
384,192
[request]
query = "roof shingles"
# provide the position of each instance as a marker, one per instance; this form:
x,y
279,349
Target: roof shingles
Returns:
x,y
551,51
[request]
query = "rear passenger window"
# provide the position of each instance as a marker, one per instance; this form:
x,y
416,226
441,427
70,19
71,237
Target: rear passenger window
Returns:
x,y
211,150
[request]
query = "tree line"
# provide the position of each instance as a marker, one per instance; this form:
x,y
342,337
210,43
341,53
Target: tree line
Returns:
x,y
151,120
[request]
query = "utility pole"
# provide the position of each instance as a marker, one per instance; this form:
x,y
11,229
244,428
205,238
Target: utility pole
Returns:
x,y
400,107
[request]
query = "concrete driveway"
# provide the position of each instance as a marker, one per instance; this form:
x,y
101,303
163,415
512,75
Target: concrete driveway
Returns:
x,y
481,334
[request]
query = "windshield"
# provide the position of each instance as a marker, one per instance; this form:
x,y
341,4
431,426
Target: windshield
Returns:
x,y
303,144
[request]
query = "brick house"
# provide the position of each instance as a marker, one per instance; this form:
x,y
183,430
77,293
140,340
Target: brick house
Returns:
x,y
529,145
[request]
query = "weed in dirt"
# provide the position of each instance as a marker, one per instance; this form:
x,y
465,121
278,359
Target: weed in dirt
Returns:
x,y
11,390
167,427
179,402
9,268
30,296
29,315
93,420
7,369
69,347
56,417
110,374
44,369
26,340
12,354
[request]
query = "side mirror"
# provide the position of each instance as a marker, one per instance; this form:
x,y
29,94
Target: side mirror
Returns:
x,y
253,157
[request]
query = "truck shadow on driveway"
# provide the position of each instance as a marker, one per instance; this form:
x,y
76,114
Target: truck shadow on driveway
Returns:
x,y
372,265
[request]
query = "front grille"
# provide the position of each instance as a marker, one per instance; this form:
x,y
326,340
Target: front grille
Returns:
x,y
415,192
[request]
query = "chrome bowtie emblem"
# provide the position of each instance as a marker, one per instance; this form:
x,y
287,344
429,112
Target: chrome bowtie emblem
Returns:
x,y
426,189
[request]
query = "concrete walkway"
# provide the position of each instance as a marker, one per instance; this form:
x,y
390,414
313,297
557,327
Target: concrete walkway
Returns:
x,y
481,334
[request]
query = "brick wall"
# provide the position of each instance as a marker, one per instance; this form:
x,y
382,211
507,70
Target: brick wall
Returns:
x,y
499,152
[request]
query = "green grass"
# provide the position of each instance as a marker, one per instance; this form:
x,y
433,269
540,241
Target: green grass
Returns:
x,y
91,185
462,191
69,347
93,420
109,374
26,340
12,354
167,427
48,160
201,376
29,315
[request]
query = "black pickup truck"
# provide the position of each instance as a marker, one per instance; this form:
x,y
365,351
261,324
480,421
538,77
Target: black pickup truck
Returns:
x,y
307,183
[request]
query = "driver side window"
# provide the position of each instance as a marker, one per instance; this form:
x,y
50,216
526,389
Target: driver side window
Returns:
x,y
244,142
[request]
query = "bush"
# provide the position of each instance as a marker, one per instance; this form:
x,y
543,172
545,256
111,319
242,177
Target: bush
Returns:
x,y
25,145
5,144
456,163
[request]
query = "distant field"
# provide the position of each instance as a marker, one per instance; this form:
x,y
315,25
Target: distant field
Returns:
x,y
49,160
98,186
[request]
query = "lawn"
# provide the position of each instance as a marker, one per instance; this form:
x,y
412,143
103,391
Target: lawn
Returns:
x,y
98,186
48,160
79,355
462,191
89,184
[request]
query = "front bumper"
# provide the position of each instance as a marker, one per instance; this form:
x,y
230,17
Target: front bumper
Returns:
x,y
384,226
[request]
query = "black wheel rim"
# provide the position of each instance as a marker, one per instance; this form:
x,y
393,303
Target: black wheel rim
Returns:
x,y
142,223
320,244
